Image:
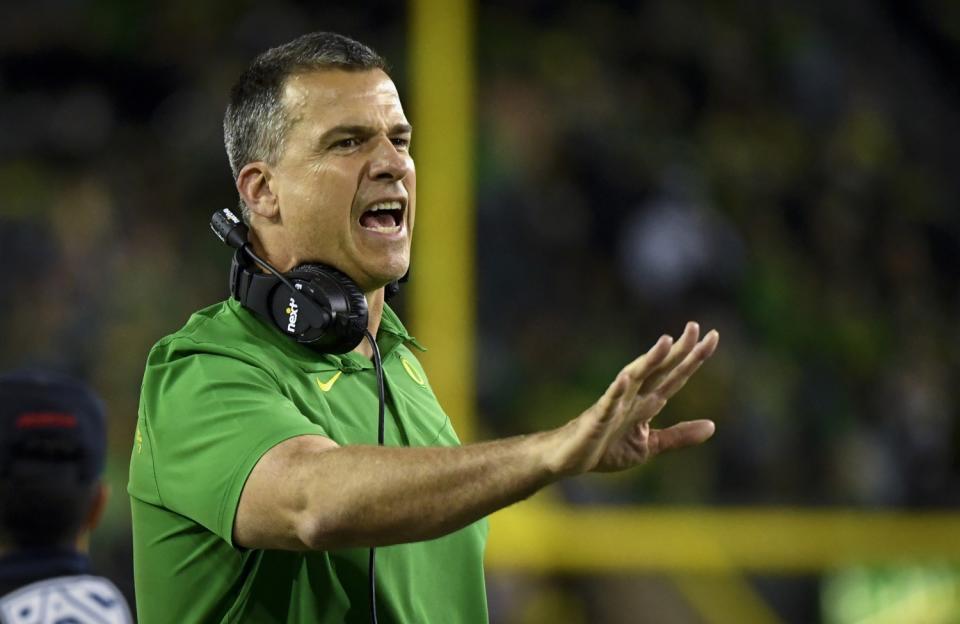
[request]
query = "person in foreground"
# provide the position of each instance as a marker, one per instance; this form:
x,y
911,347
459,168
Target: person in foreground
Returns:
x,y
52,451
255,479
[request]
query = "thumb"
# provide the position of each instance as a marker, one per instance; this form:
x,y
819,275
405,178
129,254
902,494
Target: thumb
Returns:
x,y
681,435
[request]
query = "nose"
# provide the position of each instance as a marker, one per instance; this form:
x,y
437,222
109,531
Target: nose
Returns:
x,y
387,162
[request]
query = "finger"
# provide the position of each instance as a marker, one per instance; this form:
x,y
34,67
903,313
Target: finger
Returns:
x,y
681,435
680,350
638,370
678,377
608,402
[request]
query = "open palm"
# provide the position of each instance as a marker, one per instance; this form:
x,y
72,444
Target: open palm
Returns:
x,y
615,433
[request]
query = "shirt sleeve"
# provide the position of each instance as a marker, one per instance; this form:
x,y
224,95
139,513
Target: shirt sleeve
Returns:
x,y
210,418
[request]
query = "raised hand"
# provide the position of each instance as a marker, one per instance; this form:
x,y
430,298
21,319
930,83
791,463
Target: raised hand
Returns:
x,y
615,433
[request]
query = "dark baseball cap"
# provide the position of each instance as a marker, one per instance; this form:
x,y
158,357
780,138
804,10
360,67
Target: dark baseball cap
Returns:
x,y
50,425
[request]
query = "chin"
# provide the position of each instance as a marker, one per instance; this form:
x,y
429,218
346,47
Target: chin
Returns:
x,y
380,276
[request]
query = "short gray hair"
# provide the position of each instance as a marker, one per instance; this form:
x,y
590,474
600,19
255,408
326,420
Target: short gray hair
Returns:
x,y
256,122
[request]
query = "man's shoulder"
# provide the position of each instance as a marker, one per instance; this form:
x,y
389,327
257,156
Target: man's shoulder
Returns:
x,y
214,342
224,328
86,598
209,325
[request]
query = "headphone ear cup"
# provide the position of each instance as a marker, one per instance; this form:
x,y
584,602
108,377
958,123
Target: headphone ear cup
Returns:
x,y
336,292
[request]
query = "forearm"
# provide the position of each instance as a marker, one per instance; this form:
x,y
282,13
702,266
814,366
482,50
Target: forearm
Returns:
x,y
374,496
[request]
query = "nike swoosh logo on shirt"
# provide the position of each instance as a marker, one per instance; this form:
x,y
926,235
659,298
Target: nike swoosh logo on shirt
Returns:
x,y
327,385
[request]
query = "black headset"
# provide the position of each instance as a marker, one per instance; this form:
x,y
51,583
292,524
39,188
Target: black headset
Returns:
x,y
314,304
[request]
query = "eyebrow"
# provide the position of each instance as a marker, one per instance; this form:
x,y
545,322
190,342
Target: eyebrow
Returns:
x,y
400,128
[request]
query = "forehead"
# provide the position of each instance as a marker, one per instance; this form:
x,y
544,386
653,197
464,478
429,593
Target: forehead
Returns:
x,y
331,97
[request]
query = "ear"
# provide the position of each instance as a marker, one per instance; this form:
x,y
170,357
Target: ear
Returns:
x,y
98,505
254,186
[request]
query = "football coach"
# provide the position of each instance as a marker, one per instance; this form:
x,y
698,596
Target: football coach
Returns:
x,y
258,483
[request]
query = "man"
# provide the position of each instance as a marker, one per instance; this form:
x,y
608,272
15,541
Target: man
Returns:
x,y
52,449
255,478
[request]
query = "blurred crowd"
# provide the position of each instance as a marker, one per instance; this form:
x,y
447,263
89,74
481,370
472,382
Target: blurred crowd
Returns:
x,y
782,171
786,174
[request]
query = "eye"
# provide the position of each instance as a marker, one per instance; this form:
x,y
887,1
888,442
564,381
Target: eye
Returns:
x,y
347,143
401,142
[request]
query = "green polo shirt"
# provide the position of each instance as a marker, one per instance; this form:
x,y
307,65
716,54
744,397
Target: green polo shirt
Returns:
x,y
216,396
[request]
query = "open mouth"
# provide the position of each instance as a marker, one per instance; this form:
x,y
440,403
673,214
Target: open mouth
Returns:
x,y
385,216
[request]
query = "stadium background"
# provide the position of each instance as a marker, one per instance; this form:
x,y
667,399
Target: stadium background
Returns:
x,y
591,175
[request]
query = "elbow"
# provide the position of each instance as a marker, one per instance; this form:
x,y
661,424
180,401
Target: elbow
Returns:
x,y
316,533
326,530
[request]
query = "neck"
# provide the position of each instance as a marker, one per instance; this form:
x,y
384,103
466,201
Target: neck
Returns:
x,y
375,301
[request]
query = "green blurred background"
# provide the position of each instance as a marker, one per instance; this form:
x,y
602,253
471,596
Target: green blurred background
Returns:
x,y
786,172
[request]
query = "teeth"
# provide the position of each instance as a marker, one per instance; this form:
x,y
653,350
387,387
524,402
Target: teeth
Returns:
x,y
386,205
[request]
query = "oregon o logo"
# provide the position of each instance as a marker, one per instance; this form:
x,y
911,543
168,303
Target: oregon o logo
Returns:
x,y
414,375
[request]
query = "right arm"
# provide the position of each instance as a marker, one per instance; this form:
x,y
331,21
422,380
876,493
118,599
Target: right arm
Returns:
x,y
308,493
